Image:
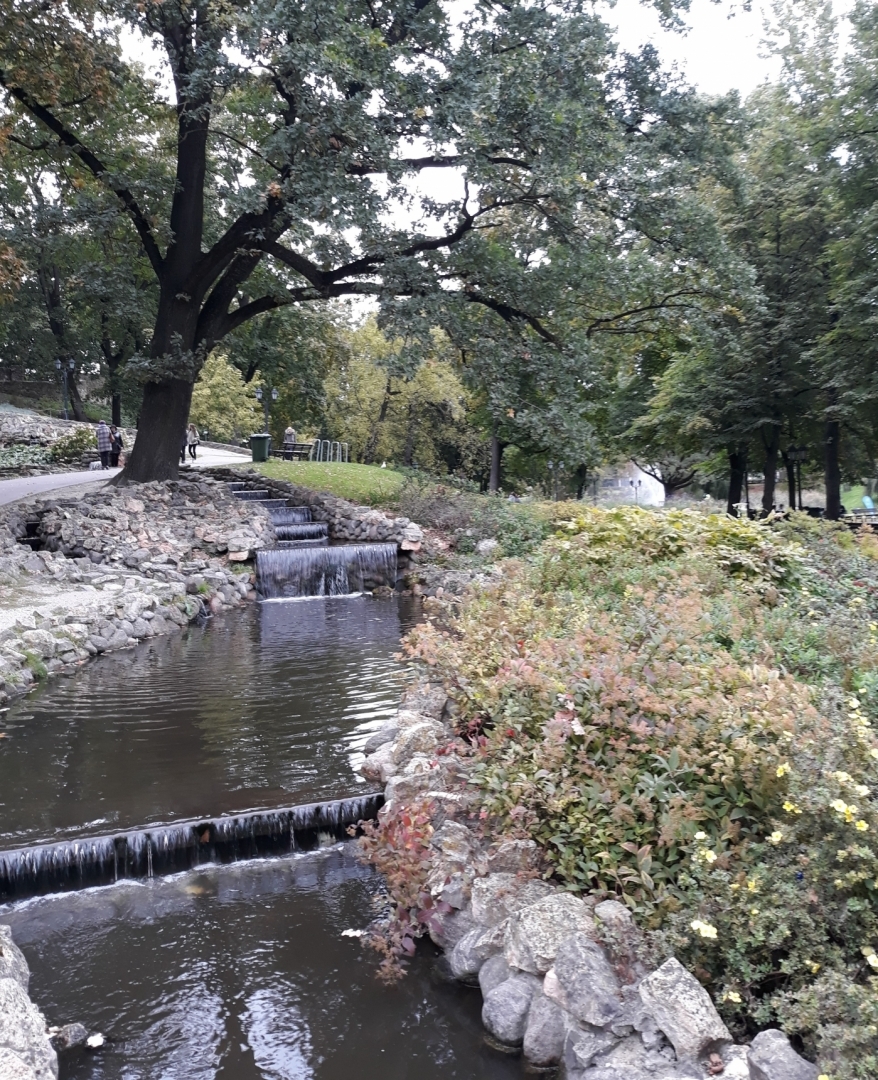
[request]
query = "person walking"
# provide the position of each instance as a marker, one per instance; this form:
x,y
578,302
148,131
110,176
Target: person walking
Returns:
x,y
117,446
105,444
192,439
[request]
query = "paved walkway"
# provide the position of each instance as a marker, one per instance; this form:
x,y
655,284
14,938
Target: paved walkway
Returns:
x,y
23,487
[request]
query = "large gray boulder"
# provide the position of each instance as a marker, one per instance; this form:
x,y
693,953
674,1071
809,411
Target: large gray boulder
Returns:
x,y
582,1046
629,1059
513,856
493,972
545,1033
497,896
772,1058
474,948
584,983
683,1010
12,962
447,929
12,1067
507,1007
535,932
23,1031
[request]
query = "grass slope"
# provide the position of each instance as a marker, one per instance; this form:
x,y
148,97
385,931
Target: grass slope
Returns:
x,y
366,484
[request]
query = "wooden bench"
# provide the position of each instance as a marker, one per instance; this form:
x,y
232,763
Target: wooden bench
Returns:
x,y
299,451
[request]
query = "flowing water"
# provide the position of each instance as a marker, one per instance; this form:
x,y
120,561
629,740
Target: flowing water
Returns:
x,y
226,972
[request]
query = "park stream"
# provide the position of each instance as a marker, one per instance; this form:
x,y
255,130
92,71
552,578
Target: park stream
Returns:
x,y
238,967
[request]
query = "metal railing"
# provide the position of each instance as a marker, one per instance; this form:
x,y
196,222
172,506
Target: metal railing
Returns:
x,y
328,450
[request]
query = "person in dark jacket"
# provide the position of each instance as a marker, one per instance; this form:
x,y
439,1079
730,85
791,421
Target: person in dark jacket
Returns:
x,y
117,446
105,444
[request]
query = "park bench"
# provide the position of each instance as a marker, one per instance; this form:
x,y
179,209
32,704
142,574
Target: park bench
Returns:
x,y
299,451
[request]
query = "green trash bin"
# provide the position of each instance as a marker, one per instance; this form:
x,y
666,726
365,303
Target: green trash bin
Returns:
x,y
260,446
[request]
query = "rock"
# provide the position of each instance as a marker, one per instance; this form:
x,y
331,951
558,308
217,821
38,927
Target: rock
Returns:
x,y
683,1010
40,642
474,948
379,766
545,1032
506,1008
584,983
421,738
628,1059
536,931
493,972
582,1046
380,738
487,547
426,699
12,962
69,1036
451,928
23,1031
12,1067
621,937
513,856
771,1057
406,788
497,896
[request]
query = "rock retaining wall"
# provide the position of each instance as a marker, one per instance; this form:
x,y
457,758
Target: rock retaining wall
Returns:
x,y
26,1052
561,976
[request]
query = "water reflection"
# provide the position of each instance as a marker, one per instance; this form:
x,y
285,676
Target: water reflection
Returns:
x,y
241,973
260,708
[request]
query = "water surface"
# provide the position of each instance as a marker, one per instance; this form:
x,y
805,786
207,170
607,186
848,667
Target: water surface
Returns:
x,y
260,708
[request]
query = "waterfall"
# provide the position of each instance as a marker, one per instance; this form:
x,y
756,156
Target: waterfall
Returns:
x,y
310,530
249,494
320,542
324,571
168,849
290,515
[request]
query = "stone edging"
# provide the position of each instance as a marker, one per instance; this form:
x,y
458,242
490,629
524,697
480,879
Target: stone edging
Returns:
x,y
26,1052
560,975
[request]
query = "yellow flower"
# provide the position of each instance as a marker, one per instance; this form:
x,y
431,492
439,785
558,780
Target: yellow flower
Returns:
x,y
854,703
791,807
862,826
872,960
838,883
874,752
734,886
782,770
704,929
824,1076
776,836
754,910
839,805
752,884
701,836
733,995
813,966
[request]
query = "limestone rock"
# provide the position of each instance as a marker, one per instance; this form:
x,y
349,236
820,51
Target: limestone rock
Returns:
x,y
474,948
507,1006
545,1033
12,1067
497,896
535,931
12,962
380,738
584,983
682,1009
772,1058
379,766
420,738
513,856
582,1046
23,1031
493,972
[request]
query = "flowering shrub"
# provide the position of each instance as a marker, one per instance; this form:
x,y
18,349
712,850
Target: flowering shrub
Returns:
x,y
678,708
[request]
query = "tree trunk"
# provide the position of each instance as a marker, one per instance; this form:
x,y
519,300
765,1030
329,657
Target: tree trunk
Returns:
x,y
581,480
372,444
409,451
737,470
770,469
116,409
832,470
496,455
73,393
790,467
163,418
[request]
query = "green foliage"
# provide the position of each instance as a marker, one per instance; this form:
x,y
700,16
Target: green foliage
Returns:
x,y
222,403
36,665
22,455
71,447
678,708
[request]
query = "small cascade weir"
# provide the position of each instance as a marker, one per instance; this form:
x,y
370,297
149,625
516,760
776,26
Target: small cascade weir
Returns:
x,y
324,571
309,530
291,515
169,849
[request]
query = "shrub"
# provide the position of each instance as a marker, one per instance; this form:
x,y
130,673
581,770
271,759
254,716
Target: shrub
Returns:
x,y
21,455
678,708
70,448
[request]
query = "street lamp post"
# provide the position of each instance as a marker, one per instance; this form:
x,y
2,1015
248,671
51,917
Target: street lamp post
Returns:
x,y
62,375
263,398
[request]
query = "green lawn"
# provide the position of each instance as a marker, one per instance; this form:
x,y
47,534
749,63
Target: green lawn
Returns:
x,y
366,484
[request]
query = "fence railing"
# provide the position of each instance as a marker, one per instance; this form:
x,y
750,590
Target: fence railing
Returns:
x,y
329,450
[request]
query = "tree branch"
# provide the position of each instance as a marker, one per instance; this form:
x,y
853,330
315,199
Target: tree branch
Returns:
x,y
94,164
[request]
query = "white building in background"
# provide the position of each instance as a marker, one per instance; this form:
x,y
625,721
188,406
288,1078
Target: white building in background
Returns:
x,y
631,484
